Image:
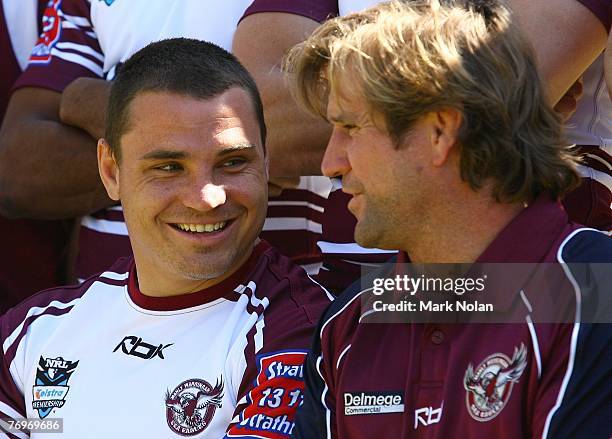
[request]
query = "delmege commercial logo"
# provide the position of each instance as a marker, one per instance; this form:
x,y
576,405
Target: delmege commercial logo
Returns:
x,y
190,407
51,384
490,386
373,403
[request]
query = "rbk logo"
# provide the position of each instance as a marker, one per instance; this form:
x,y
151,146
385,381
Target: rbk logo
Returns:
x,y
427,416
132,345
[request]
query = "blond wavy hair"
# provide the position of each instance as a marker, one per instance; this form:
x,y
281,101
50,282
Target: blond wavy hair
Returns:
x,y
409,58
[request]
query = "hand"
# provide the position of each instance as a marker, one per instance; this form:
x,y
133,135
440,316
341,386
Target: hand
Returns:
x,y
569,102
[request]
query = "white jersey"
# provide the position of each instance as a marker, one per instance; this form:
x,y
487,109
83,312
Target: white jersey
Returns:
x,y
112,362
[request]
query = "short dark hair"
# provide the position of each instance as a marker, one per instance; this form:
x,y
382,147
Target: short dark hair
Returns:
x,y
179,65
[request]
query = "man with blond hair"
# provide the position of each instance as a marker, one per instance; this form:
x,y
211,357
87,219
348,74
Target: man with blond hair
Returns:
x,y
443,137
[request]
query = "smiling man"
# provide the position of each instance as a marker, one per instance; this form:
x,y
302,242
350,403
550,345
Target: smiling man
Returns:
x,y
204,332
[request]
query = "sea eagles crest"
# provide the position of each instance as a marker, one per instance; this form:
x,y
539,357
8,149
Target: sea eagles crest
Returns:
x,y
489,387
190,407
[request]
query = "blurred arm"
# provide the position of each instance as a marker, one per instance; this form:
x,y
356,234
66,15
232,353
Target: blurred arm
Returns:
x,y
296,140
567,38
83,105
48,170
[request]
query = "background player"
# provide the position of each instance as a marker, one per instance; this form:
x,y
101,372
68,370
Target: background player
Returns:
x,y
33,253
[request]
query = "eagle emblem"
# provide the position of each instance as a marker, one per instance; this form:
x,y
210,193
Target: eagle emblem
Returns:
x,y
191,406
489,387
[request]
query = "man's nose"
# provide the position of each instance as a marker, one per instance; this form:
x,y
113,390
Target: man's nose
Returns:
x,y
335,161
213,195
204,196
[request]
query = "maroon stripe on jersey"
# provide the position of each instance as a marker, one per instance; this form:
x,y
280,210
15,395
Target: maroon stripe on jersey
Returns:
x,y
300,195
317,10
251,361
295,212
596,158
98,251
51,311
259,309
108,214
56,79
590,205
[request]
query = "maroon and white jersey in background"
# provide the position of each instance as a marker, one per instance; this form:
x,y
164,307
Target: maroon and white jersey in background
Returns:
x,y
31,252
591,129
112,362
89,38
505,380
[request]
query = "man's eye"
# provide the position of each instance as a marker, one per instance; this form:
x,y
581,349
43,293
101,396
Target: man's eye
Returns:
x,y
169,167
233,163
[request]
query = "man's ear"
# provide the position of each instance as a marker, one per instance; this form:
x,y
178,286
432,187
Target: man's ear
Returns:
x,y
445,127
108,169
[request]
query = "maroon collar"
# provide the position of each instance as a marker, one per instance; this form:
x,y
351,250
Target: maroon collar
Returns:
x,y
529,238
223,289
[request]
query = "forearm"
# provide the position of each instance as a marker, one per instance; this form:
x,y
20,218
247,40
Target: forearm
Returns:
x,y
567,38
296,140
83,105
47,170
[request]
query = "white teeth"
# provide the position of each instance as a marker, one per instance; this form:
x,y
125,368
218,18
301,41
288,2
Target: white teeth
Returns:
x,y
201,228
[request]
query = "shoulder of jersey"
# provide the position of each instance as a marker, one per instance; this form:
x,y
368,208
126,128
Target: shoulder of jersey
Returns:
x,y
345,311
586,245
65,297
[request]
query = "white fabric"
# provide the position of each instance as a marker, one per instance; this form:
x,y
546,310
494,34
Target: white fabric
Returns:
x,y
97,388
22,24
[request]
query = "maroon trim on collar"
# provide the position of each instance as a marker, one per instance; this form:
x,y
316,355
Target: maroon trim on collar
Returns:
x,y
223,289
529,237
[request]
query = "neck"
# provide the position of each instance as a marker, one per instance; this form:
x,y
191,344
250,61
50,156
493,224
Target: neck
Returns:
x,y
460,229
156,282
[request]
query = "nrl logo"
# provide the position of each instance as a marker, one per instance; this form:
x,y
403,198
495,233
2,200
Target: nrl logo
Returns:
x,y
51,385
190,407
489,387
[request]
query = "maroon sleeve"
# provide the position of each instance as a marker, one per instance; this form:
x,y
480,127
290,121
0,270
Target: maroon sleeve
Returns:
x,y
602,9
318,10
272,386
11,399
67,48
